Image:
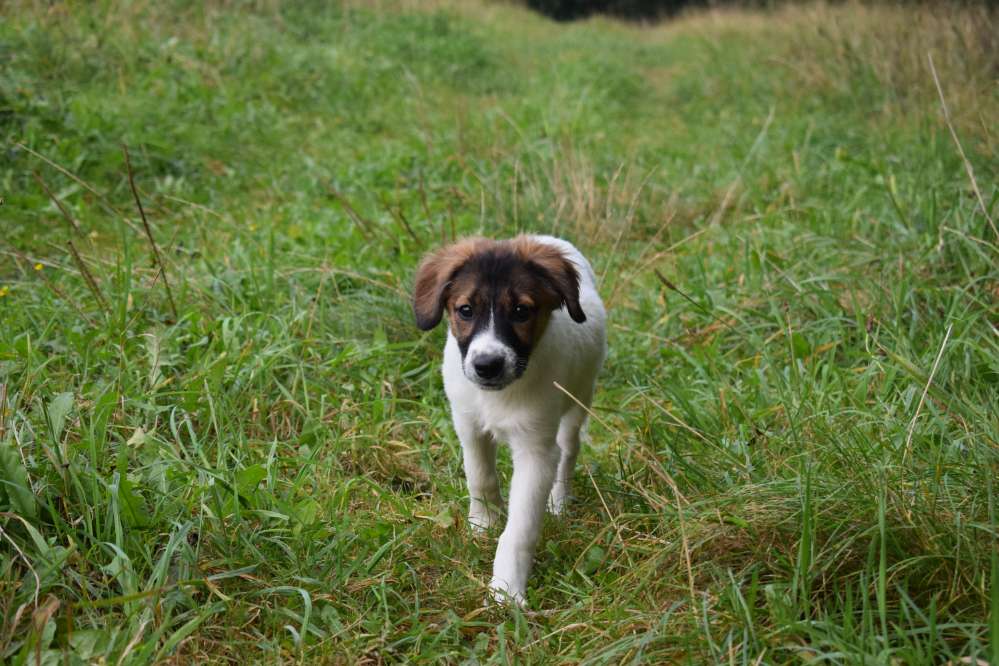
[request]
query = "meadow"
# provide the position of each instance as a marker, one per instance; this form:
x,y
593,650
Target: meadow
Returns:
x,y
223,439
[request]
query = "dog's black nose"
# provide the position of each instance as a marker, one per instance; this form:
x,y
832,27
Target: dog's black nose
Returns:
x,y
489,367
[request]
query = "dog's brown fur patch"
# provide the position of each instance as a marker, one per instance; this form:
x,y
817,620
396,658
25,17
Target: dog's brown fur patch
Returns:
x,y
434,275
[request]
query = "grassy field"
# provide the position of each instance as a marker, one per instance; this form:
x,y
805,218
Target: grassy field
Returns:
x,y
247,456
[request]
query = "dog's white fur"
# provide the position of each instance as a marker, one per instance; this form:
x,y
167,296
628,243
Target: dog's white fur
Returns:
x,y
541,424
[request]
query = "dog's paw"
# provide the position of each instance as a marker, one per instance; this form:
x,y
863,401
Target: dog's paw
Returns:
x,y
482,521
558,501
503,594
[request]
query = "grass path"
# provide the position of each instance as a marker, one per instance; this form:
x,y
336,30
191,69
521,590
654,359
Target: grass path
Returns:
x,y
797,447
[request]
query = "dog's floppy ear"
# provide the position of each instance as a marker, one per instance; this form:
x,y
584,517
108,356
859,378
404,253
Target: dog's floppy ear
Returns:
x,y
560,273
433,278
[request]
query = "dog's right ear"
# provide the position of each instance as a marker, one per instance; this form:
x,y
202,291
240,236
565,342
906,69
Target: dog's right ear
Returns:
x,y
433,278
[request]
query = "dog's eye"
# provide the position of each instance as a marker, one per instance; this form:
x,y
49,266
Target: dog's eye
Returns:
x,y
465,312
521,313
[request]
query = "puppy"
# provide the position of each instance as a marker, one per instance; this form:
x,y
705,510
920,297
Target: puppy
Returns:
x,y
523,315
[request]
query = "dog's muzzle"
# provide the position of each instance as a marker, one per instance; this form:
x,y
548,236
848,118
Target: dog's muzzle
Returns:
x,y
491,370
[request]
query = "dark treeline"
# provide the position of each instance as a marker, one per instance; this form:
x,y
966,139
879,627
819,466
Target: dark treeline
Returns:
x,y
568,10
641,10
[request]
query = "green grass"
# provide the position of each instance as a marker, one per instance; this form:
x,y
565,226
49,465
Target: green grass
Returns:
x,y
798,437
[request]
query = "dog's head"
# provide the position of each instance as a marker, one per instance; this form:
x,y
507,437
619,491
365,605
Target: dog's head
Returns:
x,y
498,297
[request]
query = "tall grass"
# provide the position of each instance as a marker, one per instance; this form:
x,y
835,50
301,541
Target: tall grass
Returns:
x,y
795,450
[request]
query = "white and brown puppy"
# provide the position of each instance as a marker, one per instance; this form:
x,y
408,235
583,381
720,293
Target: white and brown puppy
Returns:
x,y
523,314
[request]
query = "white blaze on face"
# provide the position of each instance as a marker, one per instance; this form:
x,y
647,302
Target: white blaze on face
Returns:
x,y
487,349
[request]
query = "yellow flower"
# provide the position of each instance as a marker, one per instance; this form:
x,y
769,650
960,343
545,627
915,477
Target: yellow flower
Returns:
x,y
4,291
38,267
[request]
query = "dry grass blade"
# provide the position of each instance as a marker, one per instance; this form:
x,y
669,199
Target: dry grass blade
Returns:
x,y
960,149
133,642
672,287
922,398
613,520
686,552
149,233
74,225
585,408
88,277
40,618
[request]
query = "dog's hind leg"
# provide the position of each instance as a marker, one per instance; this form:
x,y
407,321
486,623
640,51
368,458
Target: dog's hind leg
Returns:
x,y
569,435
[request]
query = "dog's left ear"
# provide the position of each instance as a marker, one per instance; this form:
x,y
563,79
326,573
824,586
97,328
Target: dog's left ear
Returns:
x,y
433,278
560,274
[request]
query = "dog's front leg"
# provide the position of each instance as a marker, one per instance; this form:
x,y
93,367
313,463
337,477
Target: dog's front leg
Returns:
x,y
479,454
534,462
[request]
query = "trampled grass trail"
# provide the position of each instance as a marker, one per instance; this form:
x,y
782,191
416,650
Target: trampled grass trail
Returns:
x,y
222,439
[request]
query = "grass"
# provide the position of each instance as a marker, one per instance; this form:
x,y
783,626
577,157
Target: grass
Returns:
x,y
798,433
